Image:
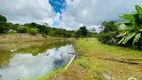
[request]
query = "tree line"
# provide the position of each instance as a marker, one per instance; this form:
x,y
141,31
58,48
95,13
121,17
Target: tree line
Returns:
x,y
126,33
35,28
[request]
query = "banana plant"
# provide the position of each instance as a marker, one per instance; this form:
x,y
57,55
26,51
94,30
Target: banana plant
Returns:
x,y
133,27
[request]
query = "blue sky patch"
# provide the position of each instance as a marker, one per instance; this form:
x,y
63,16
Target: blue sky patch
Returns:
x,y
58,5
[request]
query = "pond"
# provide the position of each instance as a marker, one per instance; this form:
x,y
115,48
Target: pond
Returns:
x,y
33,59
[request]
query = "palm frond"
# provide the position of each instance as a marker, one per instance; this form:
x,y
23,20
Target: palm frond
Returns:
x,y
129,17
121,40
138,9
128,38
120,34
140,30
136,39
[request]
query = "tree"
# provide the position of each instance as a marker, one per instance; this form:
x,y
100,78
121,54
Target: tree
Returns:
x,y
15,27
31,25
23,29
108,33
3,19
33,31
76,34
133,27
82,32
10,25
109,26
3,27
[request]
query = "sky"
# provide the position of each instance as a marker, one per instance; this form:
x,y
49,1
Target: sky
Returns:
x,y
67,14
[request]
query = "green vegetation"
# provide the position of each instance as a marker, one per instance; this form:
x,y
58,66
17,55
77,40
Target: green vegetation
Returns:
x,y
100,62
133,28
45,29
82,32
109,33
3,19
129,35
3,27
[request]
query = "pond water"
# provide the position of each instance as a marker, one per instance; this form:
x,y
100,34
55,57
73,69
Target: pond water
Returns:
x,y
31,60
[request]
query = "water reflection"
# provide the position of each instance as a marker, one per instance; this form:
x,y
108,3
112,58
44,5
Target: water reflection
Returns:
x,y
29,66
7,50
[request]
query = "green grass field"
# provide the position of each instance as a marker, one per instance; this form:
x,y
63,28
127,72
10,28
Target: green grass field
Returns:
x,y
101,62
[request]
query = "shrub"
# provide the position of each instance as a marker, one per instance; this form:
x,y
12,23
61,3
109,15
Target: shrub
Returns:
x,y
34,31
3,27
109,33
108,38
23,29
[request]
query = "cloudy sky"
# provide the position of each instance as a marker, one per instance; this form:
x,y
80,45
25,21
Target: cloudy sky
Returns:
x,y
68,14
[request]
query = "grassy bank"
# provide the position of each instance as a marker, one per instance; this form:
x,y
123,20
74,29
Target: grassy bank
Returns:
x,y
18,37
101,62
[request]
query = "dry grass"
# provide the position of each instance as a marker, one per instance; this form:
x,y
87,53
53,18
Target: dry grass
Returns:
x,y
18,38
74,73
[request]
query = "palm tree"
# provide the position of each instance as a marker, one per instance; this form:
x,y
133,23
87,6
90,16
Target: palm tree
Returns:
x,y
133,27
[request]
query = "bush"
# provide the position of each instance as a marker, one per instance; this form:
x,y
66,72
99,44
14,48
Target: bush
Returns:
x,y
109,32
34,31
3,27
23,29
108,38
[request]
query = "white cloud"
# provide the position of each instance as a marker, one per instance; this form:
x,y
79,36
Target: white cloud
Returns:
x,y
78,12
22,11
94,12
